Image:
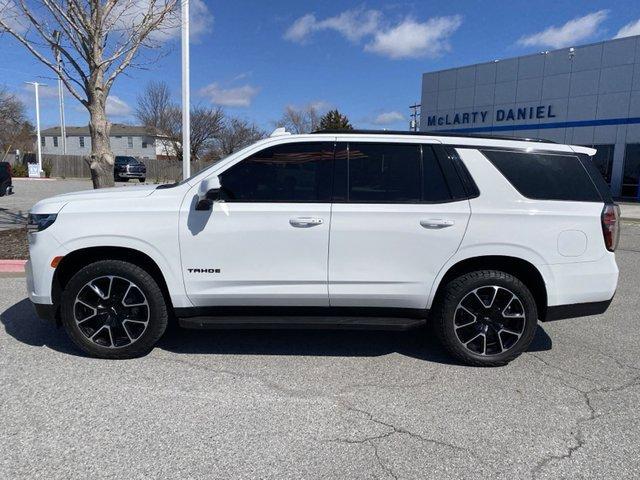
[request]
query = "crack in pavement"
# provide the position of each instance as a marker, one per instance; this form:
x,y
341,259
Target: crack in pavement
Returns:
x,y
391,430
579,435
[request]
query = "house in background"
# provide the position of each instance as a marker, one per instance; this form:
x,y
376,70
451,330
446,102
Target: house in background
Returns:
x,y
126,140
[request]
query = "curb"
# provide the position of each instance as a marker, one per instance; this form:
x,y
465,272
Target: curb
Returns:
x,y
36,179
12,266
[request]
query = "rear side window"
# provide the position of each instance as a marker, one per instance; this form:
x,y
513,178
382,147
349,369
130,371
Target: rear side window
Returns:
x,y
545,176
296,172
393,173
384,173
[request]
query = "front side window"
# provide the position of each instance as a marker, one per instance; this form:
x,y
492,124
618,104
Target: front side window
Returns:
x,y
545,176
296,172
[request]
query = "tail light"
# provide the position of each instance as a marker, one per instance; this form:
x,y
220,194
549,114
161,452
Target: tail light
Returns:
x,y
611,226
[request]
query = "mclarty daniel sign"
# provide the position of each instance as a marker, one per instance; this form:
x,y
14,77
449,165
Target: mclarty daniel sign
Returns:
x,y
499,115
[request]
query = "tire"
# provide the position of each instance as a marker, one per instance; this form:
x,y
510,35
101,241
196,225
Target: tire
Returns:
x,y
491,333
142,180
103,321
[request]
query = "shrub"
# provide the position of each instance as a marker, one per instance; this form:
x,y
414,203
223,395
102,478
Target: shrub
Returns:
x,y
47,167
20,170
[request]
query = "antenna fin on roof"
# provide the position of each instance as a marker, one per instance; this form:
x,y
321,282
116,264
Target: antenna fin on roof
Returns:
x,y
279,132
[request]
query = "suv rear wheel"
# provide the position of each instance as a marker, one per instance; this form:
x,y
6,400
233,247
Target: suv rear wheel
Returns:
x,y
486,318
114,309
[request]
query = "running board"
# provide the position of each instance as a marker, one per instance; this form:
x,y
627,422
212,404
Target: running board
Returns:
x,y
300,322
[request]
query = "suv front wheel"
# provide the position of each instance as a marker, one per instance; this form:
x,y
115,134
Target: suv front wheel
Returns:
x,y
486,318
114,309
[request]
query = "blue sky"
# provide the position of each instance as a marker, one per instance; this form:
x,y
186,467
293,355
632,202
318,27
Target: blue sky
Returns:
x,y
365,58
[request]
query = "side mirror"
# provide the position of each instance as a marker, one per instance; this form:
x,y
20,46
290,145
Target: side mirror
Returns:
x,y
208,193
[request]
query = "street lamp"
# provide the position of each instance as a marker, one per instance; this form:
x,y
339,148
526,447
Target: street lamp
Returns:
x,y
186,122
39,147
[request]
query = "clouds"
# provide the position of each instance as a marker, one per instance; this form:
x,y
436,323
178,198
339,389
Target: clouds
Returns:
x,y
352,24
116,107
129,14
12,16
412,39
571,33
388,118
230,97
408,38
629,30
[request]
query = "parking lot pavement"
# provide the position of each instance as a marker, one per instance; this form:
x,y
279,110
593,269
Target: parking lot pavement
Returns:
x,y
324,404
14,208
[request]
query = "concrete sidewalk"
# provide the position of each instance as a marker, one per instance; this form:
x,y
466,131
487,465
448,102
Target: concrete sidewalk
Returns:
x,y
630,211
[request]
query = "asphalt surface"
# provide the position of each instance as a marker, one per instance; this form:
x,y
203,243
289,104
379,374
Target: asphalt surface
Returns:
x,y
14,208
324,404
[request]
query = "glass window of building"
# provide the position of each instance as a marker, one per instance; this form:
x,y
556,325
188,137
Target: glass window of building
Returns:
x,y
631,176
130,142
55,141
81,140
603,160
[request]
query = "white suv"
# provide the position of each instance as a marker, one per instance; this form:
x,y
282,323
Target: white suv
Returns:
x,y
481,236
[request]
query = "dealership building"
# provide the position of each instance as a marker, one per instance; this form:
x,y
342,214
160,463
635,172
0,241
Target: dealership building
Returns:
x,y
584,95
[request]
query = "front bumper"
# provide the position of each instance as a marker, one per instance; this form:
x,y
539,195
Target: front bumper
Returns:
x,y
45,312
131,174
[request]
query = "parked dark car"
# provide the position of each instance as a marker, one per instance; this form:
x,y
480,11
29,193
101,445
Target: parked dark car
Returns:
x,y
6,188
129,167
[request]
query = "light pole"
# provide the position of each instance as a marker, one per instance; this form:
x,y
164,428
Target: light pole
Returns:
x,y
186,121
415,115
63,129
36,85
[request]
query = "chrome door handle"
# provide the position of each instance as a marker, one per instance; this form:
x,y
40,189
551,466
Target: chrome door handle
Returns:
x,y
437,223
305,222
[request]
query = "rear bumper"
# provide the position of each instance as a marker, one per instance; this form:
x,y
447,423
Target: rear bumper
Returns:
x,y
561,312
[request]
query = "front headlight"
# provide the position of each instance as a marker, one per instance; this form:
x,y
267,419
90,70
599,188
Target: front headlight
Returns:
x,y
36,222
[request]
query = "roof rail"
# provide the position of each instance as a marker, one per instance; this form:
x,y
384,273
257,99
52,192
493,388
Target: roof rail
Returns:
x,y
433,134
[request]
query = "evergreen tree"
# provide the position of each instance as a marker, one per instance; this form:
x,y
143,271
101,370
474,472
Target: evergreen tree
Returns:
x,y
334,120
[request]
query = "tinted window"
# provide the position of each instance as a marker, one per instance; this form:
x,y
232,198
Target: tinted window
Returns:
x,y
384,173
434,186
544,176
299,172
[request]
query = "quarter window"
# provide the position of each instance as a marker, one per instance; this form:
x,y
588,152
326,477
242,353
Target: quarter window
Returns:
x,y
545,176
298,172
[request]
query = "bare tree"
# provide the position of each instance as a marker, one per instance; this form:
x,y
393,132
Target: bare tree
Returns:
x,y
206,124
97,40
14,127
155,109
235,135
158,112
300,120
